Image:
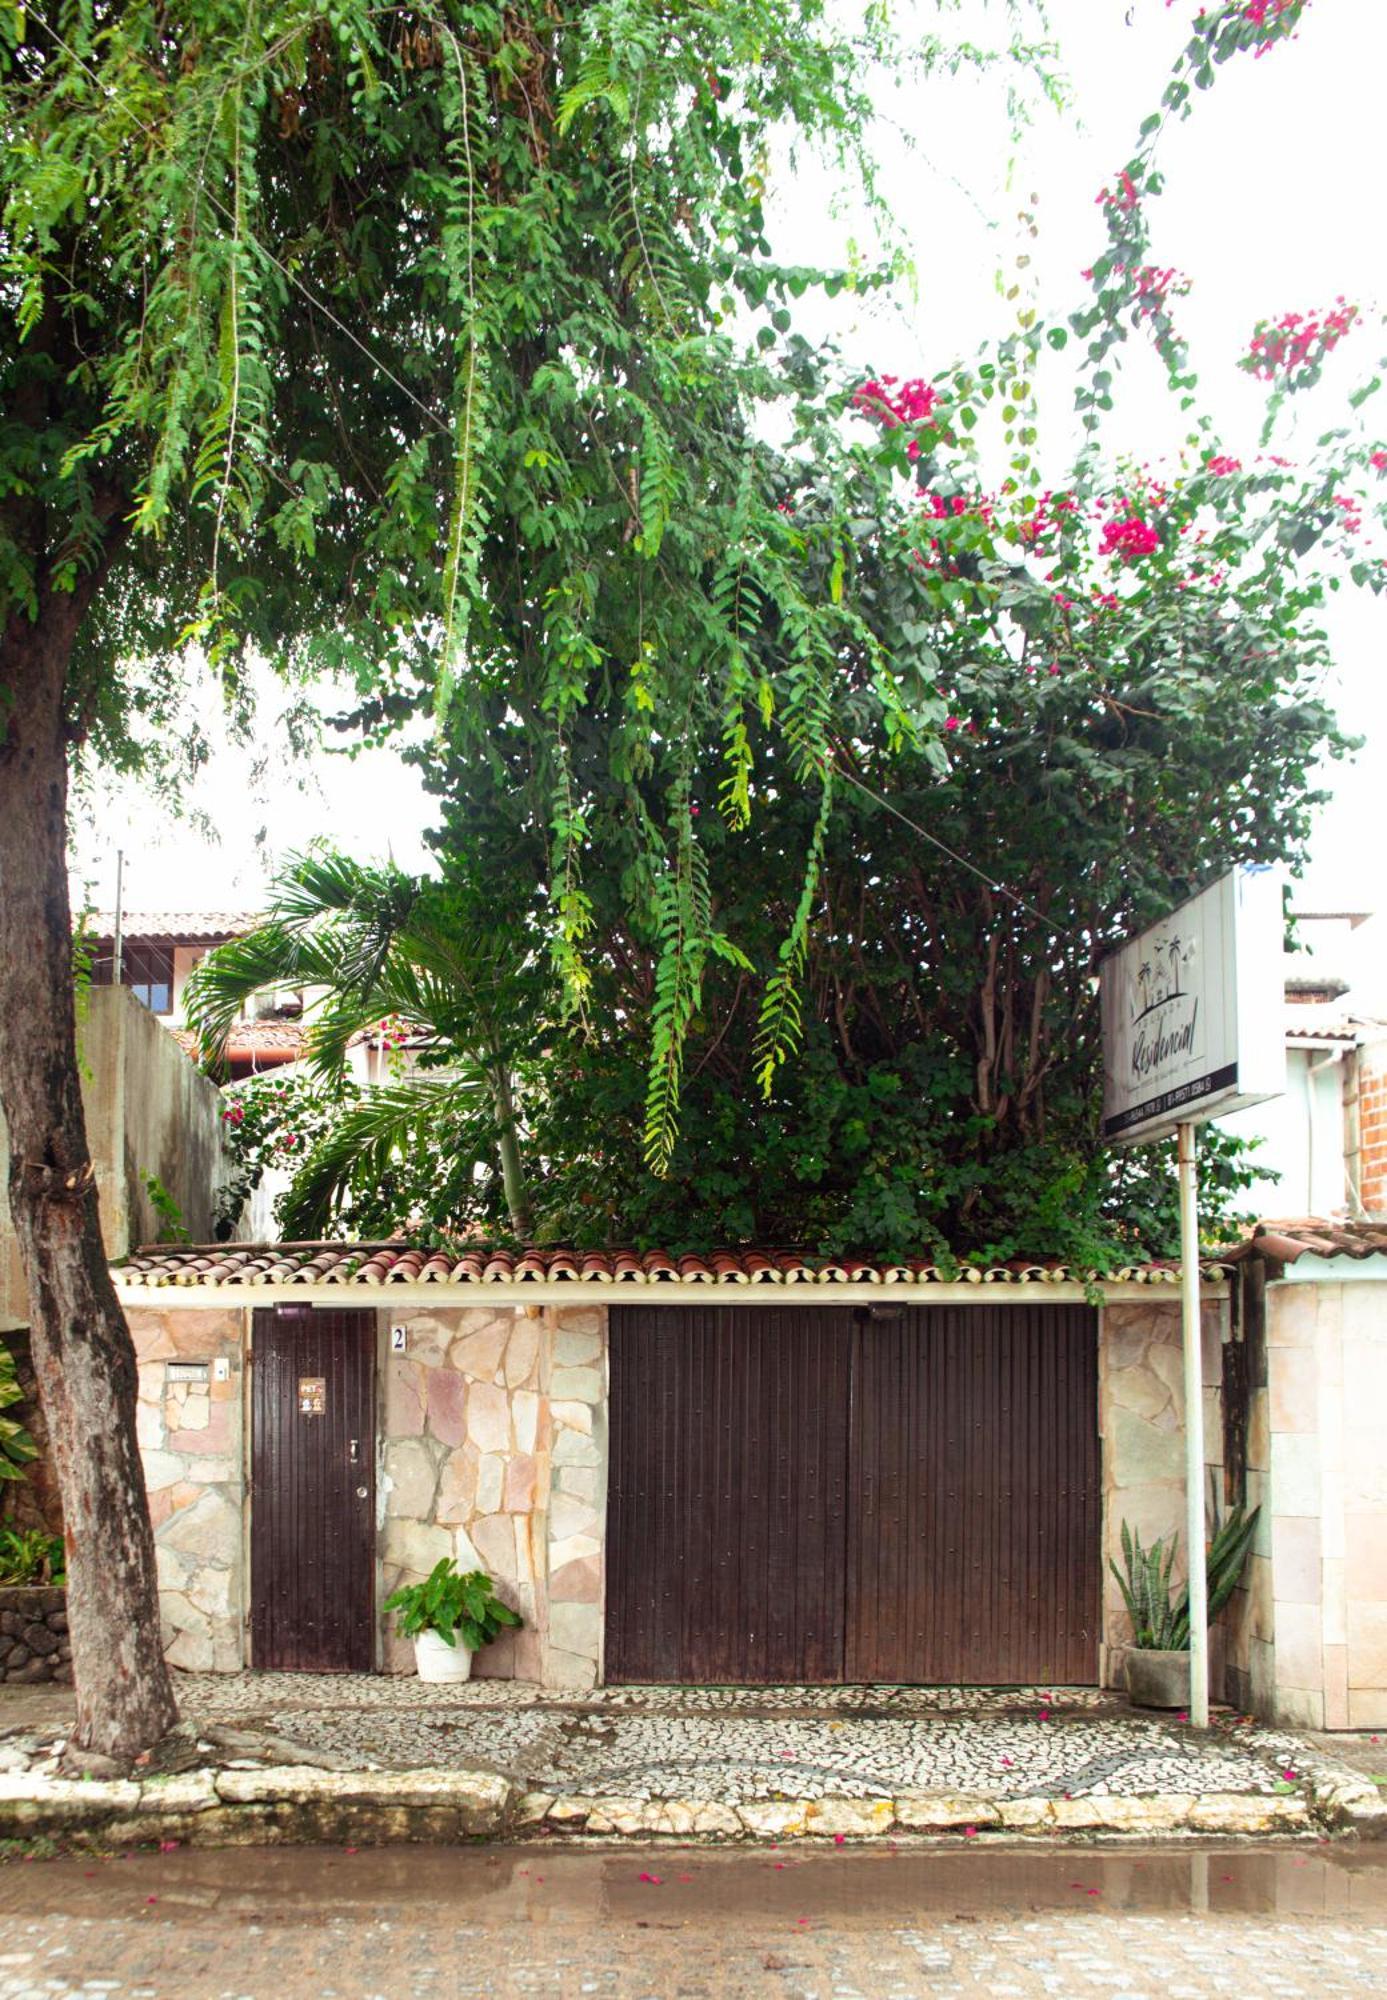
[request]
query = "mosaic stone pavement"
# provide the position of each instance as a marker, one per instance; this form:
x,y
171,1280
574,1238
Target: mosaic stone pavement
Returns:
x,y
723,1744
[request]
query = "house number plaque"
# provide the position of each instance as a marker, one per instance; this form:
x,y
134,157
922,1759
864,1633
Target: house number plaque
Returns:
x,y
312,1395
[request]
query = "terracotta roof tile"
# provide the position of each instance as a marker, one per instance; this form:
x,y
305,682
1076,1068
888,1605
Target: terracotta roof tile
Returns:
x,y
196,926
1311,1236
371,1265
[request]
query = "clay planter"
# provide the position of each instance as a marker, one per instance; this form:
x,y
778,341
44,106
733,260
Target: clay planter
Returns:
x,y
1158,1679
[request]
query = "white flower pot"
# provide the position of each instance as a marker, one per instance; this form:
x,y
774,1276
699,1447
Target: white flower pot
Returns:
x,y
438,1661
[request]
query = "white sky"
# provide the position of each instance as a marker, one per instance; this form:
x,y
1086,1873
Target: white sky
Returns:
x,y
1269,208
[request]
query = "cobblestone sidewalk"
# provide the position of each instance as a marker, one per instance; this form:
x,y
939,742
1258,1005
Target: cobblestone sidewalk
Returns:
x,y
725,1744
308,1755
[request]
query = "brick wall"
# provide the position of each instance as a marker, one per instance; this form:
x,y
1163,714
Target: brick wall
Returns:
x,y
1372,1128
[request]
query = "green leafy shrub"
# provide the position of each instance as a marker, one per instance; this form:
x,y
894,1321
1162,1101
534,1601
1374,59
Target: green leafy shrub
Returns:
x,y
17,1449
448,1601
28,1555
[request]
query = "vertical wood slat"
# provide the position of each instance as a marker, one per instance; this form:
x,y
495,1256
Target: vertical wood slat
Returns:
x,y
726,1536
805,1494
312,1555
974,1533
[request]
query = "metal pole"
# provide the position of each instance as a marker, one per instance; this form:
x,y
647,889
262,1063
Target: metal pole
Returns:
x,y
1194,1431
118,945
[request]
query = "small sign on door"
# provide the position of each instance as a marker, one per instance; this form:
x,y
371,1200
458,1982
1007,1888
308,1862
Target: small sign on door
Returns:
x,y
312,1395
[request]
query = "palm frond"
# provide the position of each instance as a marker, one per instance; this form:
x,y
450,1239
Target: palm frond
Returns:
x,y
415,1113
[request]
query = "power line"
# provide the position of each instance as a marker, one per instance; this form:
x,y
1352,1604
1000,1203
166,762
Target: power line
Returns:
x,y
998,888
445,430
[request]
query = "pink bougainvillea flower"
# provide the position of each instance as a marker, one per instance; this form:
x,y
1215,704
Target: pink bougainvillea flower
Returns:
x,y
838,1839
655,1879
167,1846
970,1833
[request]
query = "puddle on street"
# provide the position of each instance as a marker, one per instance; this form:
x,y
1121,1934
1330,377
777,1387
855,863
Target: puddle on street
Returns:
x,y
672,1885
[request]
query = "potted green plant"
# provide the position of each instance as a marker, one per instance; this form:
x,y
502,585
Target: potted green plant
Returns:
x,y
450,1616
1158,1663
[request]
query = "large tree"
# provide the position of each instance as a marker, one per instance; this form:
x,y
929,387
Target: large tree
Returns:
x,y
399,341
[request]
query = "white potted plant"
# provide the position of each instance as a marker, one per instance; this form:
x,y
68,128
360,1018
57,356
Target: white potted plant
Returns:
x,y
450,1616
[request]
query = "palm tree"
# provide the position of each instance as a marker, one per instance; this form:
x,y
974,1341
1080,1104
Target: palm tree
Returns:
x,y
374,941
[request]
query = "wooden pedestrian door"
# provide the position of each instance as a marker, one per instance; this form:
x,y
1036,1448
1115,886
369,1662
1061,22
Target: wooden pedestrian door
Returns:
x,y
817,1494
312,1497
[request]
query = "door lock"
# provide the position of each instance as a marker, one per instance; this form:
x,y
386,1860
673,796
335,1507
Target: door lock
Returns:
x,y
361,1492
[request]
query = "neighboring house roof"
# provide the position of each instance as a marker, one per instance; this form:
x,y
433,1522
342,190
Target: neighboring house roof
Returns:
x,y
269,1042
1311,1236
187,926
367,1265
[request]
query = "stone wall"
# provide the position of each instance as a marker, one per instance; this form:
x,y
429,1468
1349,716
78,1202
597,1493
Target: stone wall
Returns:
x,y
494,1453
191,1440
1141,1421
34,1644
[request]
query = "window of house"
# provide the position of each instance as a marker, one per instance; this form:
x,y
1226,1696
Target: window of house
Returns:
x,y
147,969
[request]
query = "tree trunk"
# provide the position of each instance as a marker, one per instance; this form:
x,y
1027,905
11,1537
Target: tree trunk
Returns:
x,y
83,1355
508,1145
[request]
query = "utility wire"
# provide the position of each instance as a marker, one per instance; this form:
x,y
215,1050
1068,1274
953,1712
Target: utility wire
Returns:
x,y
299,286
998,888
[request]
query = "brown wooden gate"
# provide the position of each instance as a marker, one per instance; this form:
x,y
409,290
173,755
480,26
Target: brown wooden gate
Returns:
x,y
312,1498
804,1493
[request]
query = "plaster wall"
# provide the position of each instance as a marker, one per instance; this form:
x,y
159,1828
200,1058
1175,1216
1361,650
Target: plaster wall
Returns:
x,y
149,1111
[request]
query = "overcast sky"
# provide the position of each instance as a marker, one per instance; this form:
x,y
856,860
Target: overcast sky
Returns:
x,y
1270,207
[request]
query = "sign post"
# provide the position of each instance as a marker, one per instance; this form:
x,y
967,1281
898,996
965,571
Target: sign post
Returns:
x,y
1190,1335
1192,1029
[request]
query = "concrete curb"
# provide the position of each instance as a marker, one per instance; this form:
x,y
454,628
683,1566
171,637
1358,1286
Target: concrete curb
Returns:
x,y
297,1803
842,1819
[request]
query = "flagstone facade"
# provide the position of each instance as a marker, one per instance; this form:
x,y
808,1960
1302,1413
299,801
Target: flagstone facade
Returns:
x,y
492,1449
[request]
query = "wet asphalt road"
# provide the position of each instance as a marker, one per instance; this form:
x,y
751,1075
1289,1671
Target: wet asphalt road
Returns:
x,y
439,1924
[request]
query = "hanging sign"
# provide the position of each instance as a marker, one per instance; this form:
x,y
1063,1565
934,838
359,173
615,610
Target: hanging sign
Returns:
x,y
1193,1012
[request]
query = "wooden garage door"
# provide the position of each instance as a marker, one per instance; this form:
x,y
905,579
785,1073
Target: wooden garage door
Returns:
x,y
312,1499
810,1494
726,1494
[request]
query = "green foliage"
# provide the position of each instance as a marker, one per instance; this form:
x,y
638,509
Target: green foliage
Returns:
x,y
402,963
172,1228
17,1447
1146,1593
449,1601
496,473
1161,1618
28,1556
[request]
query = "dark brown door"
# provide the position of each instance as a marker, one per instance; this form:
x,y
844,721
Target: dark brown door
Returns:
x,y
819,1494
312,1501
973,1535
726,1494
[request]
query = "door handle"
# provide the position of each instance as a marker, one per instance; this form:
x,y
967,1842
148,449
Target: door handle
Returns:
x,y
353,1443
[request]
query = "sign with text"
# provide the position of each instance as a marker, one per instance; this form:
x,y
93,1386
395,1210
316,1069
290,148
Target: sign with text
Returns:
x,y
1193,1012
